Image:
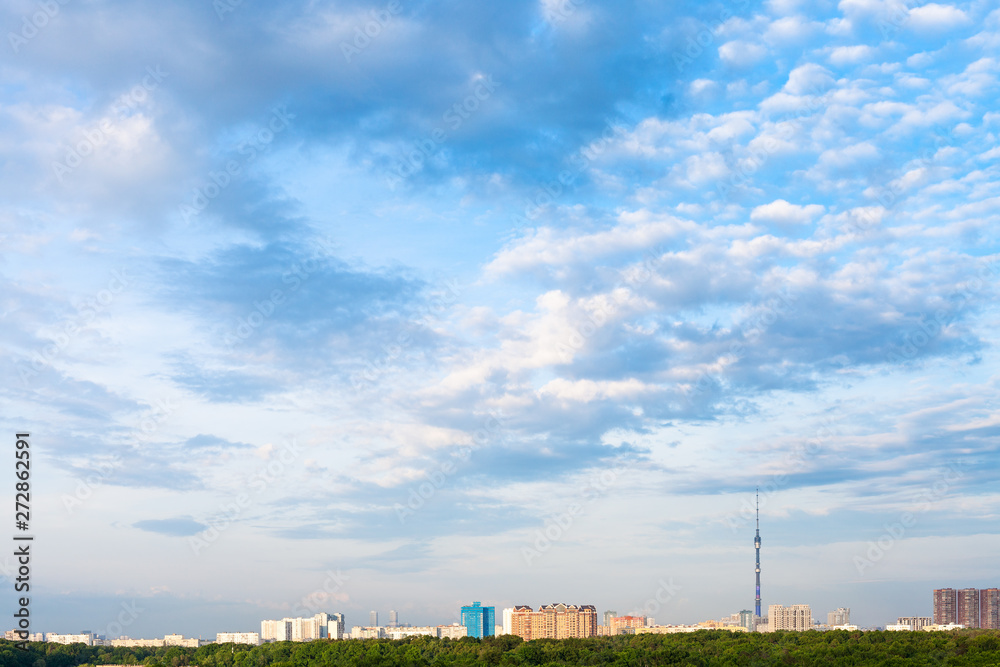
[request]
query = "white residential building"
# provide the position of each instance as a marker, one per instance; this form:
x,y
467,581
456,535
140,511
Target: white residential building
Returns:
x,y
368,632
508,620
399,633
276,631
252,638
335,626
181,640
300,629
84,638
453,631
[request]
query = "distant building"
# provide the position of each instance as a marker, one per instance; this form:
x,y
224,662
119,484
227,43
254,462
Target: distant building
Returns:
x,y
252,638
276,631
393,619
479,621
935,627
301,629
914,622
453,631
608,615
554,621
370,632
399,633
182,641
967,607
335,626
839,616
82,638
15,636
798,617
944,606
674,629
373,619
747,619
989,608
897,627
621,625
508,614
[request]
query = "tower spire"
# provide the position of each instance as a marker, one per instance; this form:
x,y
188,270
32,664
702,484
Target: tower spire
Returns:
x,y
756,544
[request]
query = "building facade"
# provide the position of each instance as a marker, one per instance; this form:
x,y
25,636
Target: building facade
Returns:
x,y
453,631
839,616
945,606
82,638
915,622
303,629
252,638
370,632
554,621
798,617
989,608
621,625
967,607
507,620
479,621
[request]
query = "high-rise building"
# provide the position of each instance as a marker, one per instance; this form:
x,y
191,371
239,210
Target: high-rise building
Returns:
x,y
748,620
478,620
989,608
554,621
276,631
839,616
967,607
393,619
944,606
303,629
797,617
608,615
508,614
373,619
335,627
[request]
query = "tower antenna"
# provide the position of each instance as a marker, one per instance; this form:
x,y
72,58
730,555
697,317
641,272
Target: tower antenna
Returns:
x,y
756,544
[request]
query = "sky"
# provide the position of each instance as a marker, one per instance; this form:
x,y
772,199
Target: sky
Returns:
x,y
351,306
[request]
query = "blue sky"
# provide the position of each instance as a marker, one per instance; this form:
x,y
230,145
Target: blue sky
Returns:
x,y
514,302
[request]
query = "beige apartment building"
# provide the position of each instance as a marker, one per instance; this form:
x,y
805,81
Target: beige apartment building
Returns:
x,y
554,621
798,617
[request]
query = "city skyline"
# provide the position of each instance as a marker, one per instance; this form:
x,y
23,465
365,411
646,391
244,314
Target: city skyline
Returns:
x,y
356,305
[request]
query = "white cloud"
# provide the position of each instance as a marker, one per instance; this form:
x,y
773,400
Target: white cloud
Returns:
x,y
809,79
791,30
937,18
741,54
585,391
851,55
782,212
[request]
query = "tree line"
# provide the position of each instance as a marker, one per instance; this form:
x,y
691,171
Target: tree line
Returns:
x,y
702,648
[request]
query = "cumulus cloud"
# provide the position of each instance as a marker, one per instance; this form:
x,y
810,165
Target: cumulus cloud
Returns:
x,y
933,17
780,211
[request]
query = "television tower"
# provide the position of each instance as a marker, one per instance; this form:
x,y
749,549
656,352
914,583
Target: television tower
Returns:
x,y
756,544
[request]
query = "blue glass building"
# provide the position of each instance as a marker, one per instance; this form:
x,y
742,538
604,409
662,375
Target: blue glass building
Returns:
x,y
479,621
